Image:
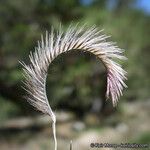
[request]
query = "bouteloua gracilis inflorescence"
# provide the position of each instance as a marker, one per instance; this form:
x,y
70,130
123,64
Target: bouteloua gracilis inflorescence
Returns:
x,y
75,38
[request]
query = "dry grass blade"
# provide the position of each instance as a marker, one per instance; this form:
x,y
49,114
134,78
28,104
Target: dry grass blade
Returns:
x,y
70,145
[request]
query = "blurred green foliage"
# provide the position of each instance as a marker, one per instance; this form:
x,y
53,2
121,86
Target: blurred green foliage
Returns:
x,y
143,138
75,79
8,109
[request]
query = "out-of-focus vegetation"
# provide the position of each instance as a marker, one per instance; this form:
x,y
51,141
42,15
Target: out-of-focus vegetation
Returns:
x,y
76,80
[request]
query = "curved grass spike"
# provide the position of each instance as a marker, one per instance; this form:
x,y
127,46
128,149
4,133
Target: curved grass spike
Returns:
x,y
75,38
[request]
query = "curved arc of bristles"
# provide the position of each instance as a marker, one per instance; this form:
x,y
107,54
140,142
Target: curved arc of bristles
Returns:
x,y
91,40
